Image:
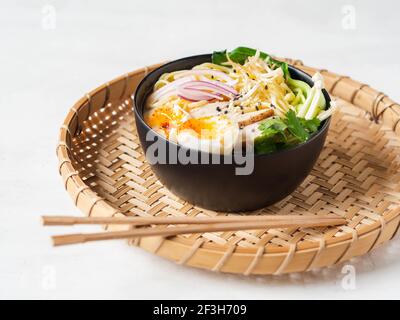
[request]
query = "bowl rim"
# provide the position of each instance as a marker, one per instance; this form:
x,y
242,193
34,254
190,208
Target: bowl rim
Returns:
x,y
139,115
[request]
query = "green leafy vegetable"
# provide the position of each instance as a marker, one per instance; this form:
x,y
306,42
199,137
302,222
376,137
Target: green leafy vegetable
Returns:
x,y
295,127
280,64
273,125
311,125
277,134
219,57
272,136
240,54
264,145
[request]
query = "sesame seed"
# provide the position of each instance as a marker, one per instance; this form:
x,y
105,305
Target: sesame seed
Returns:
x,y
226,111
218,109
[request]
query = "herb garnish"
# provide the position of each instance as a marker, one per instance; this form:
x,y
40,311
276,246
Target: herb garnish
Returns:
x,y
277,134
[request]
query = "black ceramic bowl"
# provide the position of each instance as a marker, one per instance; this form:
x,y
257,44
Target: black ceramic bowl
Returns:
x,y
217,186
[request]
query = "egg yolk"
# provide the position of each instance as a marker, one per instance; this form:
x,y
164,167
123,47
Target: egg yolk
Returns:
x,y
165,118
205,128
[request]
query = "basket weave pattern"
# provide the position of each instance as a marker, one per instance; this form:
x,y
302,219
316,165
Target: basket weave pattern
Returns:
x,y
356,176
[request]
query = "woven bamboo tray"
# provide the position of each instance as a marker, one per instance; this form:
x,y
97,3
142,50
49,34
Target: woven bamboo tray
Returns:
x,y
357,177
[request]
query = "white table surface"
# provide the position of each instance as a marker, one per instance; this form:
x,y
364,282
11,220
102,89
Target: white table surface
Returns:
x,y
48,61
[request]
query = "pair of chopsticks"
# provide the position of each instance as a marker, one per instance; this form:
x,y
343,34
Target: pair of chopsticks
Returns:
x,y
190,225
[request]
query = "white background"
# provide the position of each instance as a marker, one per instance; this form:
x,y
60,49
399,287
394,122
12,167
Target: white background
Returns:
x,y
44,70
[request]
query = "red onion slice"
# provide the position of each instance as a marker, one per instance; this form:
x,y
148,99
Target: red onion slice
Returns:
x,y
205,85
223,85
196,95
213,84
194,90
209,89
205,93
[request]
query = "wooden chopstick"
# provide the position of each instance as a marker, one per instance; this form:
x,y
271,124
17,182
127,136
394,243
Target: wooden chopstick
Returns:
x,y
201,228
142,221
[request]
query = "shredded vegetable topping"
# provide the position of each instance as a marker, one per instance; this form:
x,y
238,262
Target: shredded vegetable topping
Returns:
x,y
243,95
